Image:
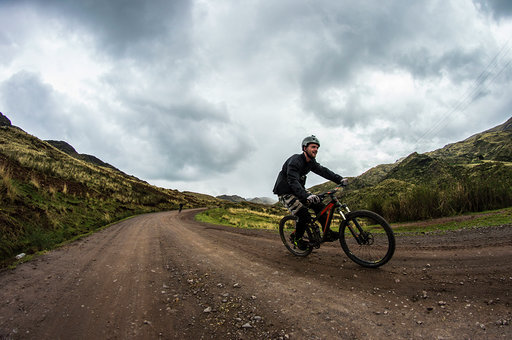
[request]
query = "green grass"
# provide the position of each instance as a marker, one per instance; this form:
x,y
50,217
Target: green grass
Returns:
x,y
473,220
245,218
40,220
242,218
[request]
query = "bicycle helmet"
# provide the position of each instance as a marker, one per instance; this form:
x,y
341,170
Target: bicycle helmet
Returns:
x,y
308,140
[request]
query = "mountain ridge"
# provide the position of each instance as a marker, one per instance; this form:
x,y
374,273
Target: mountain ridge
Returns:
x,y
492,144
70,150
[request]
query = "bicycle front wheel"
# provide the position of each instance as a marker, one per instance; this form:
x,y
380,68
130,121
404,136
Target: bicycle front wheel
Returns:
x,y
286,229
367,238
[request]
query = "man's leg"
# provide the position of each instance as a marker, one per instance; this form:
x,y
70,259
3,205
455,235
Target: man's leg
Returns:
x,y
296,208
304,219
317,208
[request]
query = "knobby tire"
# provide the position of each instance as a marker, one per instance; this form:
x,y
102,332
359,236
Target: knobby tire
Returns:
x,y
286,227
377,244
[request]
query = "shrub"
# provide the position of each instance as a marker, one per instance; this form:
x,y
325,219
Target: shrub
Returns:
x,y
426,202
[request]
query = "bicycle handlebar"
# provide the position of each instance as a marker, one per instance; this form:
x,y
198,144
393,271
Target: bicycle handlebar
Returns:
x,y
330,192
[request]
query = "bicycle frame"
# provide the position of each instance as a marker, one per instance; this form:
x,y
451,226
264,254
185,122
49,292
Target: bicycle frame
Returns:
x,y
334,205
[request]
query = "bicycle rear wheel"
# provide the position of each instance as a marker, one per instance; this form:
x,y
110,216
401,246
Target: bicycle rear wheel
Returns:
x,y
367,238
286,228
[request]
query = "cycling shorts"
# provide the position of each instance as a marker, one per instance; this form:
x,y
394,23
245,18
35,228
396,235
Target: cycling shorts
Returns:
x,y
291,202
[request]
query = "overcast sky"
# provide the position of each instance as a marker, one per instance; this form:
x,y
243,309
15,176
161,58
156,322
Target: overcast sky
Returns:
x,y
213,96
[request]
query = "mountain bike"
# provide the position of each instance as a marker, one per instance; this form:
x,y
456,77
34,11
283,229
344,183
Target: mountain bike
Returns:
x,y
364,236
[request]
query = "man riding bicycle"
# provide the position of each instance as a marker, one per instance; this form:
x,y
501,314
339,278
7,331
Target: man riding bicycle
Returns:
x,y
290,186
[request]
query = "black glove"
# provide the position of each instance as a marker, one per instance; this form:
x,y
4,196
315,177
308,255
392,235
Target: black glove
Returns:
x,y
313,199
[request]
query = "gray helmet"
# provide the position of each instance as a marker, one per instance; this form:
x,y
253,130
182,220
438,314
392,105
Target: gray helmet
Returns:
x,y
308,140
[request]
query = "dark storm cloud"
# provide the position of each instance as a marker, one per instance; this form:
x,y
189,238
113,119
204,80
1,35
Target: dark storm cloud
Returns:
x,y
199,149
349,37
459,65
127,28
191,139
498,8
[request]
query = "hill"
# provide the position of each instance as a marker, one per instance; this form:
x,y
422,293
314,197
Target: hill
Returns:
x,y
471,175
238,199
68,149
262,200
49,193
231,198
494,144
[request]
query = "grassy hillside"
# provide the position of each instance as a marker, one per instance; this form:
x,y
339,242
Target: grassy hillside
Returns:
x,y
468,176
494,144
48,197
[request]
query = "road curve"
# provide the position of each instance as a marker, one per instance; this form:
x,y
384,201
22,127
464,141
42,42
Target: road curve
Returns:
x,y
165,276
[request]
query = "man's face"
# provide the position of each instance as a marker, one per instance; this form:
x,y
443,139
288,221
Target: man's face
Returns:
x,y
311,150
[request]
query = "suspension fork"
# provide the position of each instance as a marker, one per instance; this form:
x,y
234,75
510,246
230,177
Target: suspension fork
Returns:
x,y
361,236
340,207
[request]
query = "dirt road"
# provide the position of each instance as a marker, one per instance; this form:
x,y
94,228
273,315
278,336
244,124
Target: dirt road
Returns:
x,y
165,276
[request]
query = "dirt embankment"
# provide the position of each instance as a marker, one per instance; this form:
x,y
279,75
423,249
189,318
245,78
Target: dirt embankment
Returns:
x,y
165,276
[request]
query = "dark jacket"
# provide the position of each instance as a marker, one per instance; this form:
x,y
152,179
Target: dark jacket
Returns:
x,y
292,177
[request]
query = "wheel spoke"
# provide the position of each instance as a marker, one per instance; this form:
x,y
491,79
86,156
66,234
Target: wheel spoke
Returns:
x,y
367,239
